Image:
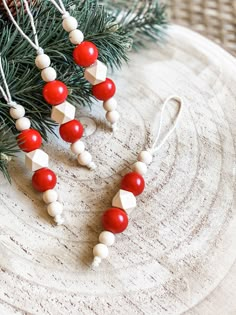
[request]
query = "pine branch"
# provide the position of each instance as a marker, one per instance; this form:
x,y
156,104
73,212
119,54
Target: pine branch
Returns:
x,y
7,150
143,20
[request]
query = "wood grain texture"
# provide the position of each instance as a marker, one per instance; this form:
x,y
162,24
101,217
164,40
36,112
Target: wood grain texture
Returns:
x,y
180,243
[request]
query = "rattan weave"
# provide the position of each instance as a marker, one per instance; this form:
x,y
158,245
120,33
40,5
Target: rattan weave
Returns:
x,y
215,19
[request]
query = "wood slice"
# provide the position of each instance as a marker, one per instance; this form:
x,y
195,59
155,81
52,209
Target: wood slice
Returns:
x,y
181,239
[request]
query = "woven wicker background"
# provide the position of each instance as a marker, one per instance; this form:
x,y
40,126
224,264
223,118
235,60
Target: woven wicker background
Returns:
x,y
215,19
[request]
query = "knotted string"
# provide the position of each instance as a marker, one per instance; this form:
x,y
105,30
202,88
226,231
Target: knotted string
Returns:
x,y
34,44
156,147
60,7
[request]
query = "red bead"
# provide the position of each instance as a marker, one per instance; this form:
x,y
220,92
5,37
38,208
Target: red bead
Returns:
x,y
133,182
71,131
105,90
44,179
115,220
55,92
29,140
85,54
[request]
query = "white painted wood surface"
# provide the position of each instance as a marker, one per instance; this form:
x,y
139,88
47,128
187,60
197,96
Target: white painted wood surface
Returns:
x,y
181,240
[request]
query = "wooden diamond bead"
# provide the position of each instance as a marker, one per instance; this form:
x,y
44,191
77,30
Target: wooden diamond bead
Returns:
x,y
36,159
96,73
124,200
63,113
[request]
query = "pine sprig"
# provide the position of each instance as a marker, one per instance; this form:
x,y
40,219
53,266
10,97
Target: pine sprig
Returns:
x,y
114,26
7,150
142,20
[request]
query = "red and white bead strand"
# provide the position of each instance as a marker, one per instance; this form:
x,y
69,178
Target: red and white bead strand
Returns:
x,y
29,141
115,219
55,93
71,130
85,55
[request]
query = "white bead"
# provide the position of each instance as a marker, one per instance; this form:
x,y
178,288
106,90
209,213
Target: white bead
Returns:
x,y
112,116
48,74
69,24
140,167
50,196
85,158
145,157
77,147
124,200
55,208
96,73
110,105
17,112
100,250
76,37
36,159
23,123
63,113
42,61
107,238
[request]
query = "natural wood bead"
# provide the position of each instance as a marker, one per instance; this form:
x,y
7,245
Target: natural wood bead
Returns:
x,y
63,113
101,250
76,37
85,158
145,157
112,116
139,167
42,61
22,123
69,24
17,111
124,200
48,74
36,159
55,208
96,73
107,238
110,105
50,196
77,147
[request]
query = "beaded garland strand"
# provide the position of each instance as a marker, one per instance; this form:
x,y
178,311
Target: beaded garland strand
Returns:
x,y
115,219
29,141
55,93
85,54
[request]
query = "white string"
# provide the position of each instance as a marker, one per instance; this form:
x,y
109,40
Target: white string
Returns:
x,y
7,94
156,147
34,44
60,7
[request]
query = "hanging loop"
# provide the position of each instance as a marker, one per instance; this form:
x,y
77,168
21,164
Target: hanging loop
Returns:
x,y
34,44
61,8
6,93
155,147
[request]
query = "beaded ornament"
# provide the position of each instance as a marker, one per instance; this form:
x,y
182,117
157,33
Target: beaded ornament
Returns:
x,y
85,55
29,140
115,219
